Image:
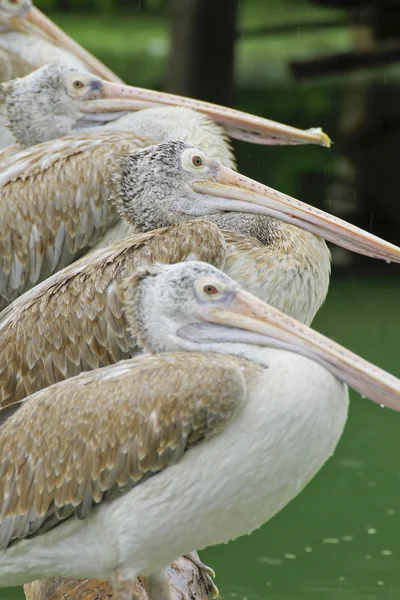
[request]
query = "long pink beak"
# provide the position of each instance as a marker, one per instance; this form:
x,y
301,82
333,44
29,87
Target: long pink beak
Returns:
x,y
275,329
239,125
235,192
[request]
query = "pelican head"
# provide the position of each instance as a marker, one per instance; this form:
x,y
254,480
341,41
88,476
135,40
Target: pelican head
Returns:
x,y
50,102
113,100
166,184
193,306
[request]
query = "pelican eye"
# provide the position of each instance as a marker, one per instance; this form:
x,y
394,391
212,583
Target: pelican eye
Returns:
x,y
210,290
197,161
78,84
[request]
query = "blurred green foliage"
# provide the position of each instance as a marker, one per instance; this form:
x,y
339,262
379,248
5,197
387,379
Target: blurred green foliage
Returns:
x,y
103,6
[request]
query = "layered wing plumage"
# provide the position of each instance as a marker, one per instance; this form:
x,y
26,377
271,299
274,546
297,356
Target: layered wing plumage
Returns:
x,y
53,205
88,439
75,320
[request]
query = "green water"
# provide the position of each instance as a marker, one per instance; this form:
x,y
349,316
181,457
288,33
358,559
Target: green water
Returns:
x,y
340,537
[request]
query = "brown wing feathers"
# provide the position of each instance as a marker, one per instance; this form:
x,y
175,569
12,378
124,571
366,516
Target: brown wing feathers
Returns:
x,y
54,205
75,320
98,445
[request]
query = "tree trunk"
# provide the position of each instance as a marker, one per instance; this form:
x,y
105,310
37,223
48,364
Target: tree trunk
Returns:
x,y
201,62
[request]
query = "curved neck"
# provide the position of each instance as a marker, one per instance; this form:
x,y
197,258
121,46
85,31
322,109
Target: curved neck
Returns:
x,y
279,263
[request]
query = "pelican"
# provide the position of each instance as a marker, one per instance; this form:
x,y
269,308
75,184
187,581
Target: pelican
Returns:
x,y
76,320
71,101
62,179
116,472
29,40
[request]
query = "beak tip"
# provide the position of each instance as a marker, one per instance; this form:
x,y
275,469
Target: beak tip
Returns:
x,y
325,140
320,137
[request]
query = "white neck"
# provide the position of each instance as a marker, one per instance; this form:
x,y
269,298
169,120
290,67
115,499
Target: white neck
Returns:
x,y
173,123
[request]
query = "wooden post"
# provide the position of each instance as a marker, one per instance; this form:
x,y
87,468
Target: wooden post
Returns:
x,y
201,62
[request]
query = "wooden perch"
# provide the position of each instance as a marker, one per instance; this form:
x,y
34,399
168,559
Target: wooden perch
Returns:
x,y
290,28
184,581
351,60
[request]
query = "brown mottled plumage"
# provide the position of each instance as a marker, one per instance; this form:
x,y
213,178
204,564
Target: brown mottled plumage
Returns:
x,y
145,427
75,320
54,206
